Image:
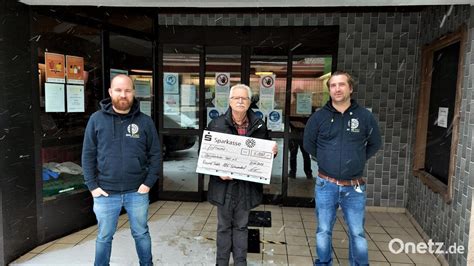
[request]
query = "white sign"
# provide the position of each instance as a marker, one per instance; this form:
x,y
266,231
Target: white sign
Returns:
x,y
188,94
170,83
75,98
54,97
221,102
171,104
443,117
222,82
145,107
274,122
239,157
267,82
304,103
142,88
267,93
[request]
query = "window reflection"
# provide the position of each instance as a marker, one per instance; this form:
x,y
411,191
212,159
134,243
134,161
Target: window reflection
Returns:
x,y
273,69
223,67
63,128
134,57
308,93
181,86
180,162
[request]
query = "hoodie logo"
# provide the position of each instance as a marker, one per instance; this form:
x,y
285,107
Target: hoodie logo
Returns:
x,y
354,125
132,130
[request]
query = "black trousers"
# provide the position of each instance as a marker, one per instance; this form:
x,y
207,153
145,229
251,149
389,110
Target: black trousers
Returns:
x,y
232,231
293,147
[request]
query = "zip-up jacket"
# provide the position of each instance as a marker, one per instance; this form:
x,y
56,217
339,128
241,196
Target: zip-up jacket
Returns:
x,y
217,187
342,142
120,152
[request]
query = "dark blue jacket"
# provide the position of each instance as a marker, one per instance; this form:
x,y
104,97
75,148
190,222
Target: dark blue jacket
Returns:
x,y
342,143
120,152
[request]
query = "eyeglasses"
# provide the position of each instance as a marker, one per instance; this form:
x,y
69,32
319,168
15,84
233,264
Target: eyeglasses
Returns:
x,y
240,98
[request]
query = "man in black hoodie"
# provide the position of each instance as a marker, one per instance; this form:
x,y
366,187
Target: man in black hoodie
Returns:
x,y
342,136
121,160
234,198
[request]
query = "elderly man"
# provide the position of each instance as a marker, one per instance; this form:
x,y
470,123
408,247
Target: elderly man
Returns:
x,y
235,198
342,136
121,161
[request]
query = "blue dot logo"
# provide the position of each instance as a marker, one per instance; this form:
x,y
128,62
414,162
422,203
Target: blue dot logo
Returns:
x,y
274,116
259,114
170,80
213,114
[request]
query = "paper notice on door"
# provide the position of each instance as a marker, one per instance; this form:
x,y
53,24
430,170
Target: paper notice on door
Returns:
x,y
54,97
443,117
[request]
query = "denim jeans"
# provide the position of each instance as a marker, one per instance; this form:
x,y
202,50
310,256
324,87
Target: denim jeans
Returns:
x,y
329,197
107,210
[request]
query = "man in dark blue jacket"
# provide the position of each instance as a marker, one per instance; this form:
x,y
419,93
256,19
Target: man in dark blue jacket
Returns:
x,y
121,159
235,198
342,136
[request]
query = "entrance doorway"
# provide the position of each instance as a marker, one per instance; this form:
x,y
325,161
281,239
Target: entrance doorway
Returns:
x,y
189,60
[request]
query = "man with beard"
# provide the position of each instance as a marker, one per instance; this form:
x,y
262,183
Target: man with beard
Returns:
x,y
121,160
342,136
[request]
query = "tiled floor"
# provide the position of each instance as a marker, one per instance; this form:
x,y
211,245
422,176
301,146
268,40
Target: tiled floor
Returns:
x,y
183,233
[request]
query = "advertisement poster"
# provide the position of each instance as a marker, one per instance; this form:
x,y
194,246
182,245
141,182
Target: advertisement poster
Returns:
x,y
145,107
74,69
75,98
304,102
274,122
54,64
114,72
54,97
142,88
171,104
188,95
171,83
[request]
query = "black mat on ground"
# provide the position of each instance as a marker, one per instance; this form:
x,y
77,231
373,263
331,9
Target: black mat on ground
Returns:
x,y
254,241
260,219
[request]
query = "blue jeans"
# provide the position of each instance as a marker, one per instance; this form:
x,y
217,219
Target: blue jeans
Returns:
x,y
329,197
107,210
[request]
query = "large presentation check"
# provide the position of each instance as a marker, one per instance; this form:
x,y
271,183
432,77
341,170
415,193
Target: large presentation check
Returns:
x,y
236,156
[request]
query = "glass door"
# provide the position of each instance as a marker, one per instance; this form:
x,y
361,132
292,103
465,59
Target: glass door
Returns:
x,y
224,68
179,128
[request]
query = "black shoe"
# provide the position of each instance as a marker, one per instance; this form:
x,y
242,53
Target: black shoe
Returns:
x,y
309,175
292,175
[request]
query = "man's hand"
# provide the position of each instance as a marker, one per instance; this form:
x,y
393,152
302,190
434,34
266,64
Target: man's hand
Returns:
x,y
99,192
275,149
226,177
143,189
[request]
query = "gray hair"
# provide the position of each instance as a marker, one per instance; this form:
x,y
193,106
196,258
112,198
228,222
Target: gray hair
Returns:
x,y
241,86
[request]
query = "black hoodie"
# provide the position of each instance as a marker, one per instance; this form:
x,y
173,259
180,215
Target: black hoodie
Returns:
x,y
120,152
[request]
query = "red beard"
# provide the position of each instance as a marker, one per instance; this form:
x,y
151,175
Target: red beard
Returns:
x,y
121,104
